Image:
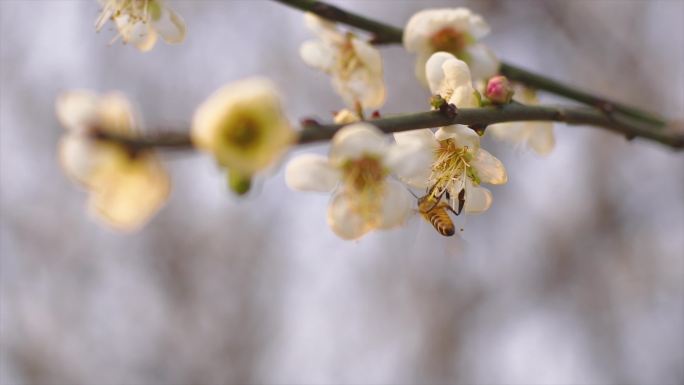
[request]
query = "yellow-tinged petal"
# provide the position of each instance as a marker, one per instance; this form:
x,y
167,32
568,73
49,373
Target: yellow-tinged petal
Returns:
x,y
541,138
130,192
344,220
170,26
346,116
115,113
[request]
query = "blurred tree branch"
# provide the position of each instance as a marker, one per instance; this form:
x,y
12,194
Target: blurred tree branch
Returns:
x,y
475,117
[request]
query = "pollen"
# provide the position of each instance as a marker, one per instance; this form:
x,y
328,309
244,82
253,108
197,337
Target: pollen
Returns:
x,y
450,167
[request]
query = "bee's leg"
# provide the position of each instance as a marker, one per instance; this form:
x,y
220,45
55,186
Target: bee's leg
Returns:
x,y
461,203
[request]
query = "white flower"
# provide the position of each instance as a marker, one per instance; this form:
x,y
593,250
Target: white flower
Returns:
x,y
243,126
450,78
126,187
354,65
356,171
537,135
451,160
453,30
140,22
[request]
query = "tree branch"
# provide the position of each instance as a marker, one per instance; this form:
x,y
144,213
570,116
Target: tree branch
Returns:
x,y
514,112
387,34
383,33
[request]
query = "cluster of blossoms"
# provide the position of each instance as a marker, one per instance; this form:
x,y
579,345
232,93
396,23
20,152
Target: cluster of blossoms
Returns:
x,y
244,128
141,22
126,186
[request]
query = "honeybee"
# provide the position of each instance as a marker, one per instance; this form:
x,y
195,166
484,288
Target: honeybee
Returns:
x,y
435,211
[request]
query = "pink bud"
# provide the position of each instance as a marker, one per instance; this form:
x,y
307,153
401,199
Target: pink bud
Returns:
x,y
499,90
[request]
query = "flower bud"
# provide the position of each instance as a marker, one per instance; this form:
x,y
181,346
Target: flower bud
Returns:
x,y
499,90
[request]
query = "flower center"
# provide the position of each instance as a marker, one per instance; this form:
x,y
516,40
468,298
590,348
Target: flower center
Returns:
x,y
363,173
450,167
243,133
450,40
364,180
348,61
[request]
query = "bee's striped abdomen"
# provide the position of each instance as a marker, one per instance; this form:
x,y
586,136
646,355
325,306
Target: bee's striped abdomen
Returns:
x,y
440,220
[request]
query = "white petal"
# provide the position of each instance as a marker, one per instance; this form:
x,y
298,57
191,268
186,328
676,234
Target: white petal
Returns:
x,y
424,137
489,169
458,82
478,27
396,205
434,71
477,199
343,220
415,37
324,29
483,63
77,110
170,26
456,74
311,172
462,135
369,55
77,157
356,140
362,86
541,138
411,162
318,55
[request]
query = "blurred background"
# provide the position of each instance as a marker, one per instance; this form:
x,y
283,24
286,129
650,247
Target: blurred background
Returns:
x,y
574,276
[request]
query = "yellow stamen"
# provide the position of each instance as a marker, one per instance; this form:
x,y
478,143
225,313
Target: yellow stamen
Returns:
x,y
450,167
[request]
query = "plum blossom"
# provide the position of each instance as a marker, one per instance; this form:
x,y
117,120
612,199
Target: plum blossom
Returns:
x,y
356,171
450,78
354,65
126,187
141,22
536,135
453,30
243,126
450,161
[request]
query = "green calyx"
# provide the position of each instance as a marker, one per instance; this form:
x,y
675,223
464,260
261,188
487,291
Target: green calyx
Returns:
x,y
238,183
